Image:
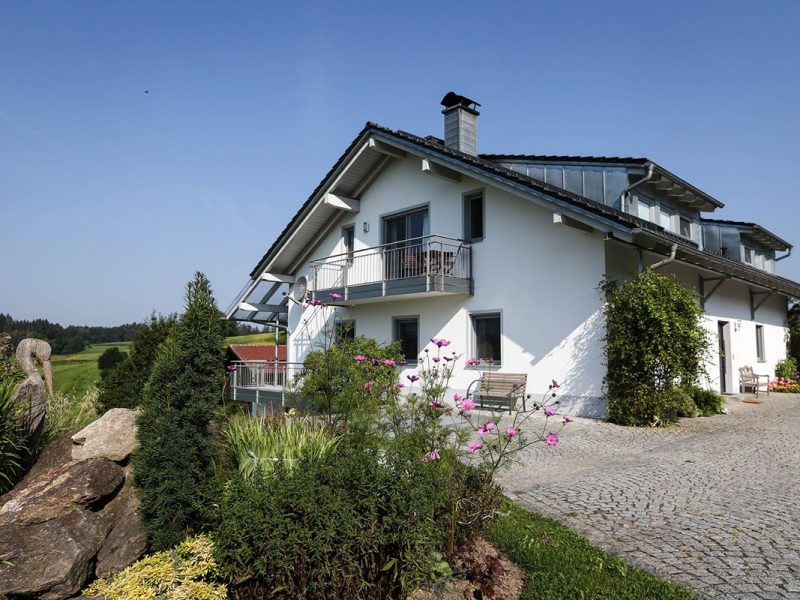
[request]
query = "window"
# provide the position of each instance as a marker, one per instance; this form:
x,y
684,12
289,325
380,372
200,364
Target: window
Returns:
x,y
686,227
486,331
406,331
643,209
666,218
748,256
345,330
473,216
349,238
760,343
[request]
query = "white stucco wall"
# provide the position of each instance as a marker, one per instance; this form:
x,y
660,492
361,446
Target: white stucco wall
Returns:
x,y
540,276
729,304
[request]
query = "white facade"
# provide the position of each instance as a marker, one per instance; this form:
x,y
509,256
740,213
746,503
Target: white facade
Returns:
x,y
538,265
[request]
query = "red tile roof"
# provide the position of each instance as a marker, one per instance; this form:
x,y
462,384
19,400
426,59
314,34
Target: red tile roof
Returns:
x,y
256,352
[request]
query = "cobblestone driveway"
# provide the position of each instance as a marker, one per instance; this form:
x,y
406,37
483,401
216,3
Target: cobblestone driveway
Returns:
x,y
711,504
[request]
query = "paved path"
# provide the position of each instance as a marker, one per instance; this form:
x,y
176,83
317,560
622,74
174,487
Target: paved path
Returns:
x,y
713,503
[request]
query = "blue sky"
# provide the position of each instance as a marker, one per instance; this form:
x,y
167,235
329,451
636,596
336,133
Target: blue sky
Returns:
x,y
111,198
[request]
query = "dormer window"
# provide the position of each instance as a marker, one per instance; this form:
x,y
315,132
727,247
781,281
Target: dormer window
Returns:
x,y
748,255
666,218
686,227
644,209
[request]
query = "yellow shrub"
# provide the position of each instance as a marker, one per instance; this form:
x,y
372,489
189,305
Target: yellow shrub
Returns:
x,y
176,574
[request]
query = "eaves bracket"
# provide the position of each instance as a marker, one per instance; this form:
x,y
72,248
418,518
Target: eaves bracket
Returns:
x,y
754,306
705,296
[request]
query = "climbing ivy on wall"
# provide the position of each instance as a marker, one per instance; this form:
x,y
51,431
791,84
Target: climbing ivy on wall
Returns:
x,y
654,344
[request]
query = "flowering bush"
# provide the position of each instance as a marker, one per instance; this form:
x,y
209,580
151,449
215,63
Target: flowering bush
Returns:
x,y
439,423
784,385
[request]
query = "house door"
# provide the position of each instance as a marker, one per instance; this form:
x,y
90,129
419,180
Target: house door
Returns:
x,y
722,336
402,236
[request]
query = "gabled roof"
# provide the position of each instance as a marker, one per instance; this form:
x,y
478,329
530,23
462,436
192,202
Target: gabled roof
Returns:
x,y
755,232
257,351
365,159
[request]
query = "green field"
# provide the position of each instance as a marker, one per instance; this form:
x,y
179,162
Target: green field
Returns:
x,y
78,373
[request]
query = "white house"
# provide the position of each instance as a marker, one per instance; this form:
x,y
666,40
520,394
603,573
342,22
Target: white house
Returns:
x,y
503,254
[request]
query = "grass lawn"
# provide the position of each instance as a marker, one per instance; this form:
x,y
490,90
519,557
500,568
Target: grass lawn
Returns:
x,y
77,373
562,564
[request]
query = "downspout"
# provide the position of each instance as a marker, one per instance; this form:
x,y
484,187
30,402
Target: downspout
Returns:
x,y
624,195
787,255
666,261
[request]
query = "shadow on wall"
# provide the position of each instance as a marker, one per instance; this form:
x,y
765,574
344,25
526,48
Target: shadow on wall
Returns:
x,y
307,336
578,363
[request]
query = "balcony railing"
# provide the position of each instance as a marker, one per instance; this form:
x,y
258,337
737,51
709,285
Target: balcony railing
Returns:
x,y
262,374
430,263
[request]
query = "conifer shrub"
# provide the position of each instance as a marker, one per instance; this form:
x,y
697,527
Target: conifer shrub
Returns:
x,y
123,382
654,343
173,467
184,573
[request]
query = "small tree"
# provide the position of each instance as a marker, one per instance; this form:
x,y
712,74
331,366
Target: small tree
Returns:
x,y
109,359
794,331
655,342
123,385
173,466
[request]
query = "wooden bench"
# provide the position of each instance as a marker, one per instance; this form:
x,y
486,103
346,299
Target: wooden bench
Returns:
x,y
498,390
749,379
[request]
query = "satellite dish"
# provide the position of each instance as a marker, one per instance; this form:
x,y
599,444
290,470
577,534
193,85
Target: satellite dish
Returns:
x,y
299,289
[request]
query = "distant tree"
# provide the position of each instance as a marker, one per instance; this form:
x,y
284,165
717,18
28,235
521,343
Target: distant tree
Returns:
x,y
110,359
173,466
123,385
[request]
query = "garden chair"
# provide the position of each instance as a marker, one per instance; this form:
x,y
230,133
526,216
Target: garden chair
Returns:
x,y
749,379
498,390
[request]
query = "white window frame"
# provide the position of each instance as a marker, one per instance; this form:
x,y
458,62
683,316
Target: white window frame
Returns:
x,y
761,355
671,216
396,320
473,337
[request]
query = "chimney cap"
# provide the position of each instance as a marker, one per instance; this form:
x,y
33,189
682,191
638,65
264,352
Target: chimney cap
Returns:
x,y
453,100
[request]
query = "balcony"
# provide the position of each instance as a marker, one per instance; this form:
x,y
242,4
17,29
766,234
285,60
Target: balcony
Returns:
x,y
419,267
261,383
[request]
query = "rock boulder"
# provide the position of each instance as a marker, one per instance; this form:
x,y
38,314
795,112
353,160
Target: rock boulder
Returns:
x,y
112,436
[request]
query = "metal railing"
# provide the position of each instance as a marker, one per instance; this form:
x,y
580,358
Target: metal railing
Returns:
x,y
432,256
261,374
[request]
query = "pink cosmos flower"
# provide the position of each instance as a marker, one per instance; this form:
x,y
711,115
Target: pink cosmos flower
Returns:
x,y
361,358
412,378
435,404
436,359
457,397
315,302
368,385
448,358
376,361
471,362
389,362
555,384
486,428
549,411
467,404
568,419
440,342
512,431
474,446
230,368
432,455
551,439
399,386
335,296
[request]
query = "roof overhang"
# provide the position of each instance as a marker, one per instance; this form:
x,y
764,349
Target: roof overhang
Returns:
x,y
719,264
681,191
